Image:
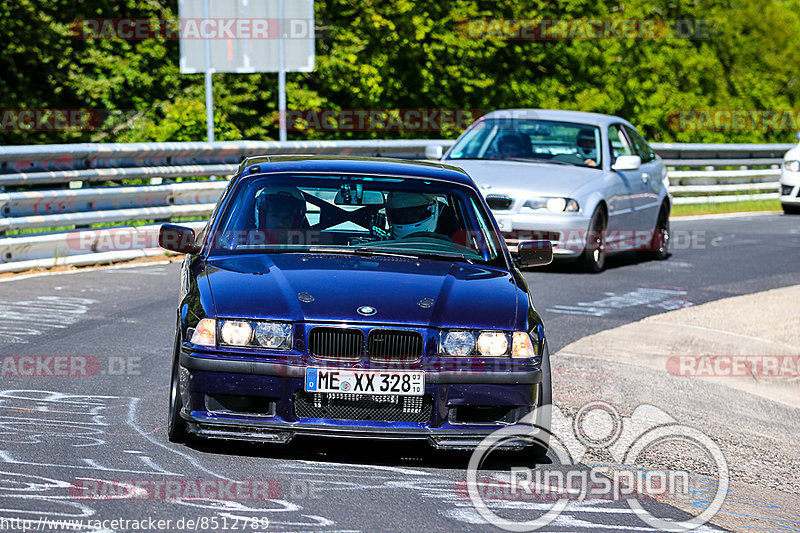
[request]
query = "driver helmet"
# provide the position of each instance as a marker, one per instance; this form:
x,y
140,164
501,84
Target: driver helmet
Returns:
x,y
280,207
586,142
513,144
411,212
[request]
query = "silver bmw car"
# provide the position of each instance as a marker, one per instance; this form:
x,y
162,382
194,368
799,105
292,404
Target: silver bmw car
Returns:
x,y
587,182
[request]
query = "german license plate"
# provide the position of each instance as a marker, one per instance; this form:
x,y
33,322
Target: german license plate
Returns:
x,y
365,381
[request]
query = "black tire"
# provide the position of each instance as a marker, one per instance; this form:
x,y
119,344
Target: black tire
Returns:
x,y
659,245
789,209
593,259
543,416
177,430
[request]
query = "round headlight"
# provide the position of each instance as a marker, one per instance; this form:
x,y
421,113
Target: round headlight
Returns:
x,y
459,343
236,332
492,343
274,335
792,165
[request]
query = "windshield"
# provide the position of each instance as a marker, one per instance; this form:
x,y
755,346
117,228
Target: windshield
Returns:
x,y
356,215
541,140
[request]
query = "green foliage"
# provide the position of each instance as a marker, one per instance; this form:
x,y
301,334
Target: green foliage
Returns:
x,y
413,54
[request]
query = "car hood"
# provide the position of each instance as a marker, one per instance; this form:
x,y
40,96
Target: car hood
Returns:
x,y
544,178
267,287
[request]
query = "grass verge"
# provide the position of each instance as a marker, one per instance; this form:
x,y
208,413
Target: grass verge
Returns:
x,y
725,207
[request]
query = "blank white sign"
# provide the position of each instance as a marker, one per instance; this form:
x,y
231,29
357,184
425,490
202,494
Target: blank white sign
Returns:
x,y
244,35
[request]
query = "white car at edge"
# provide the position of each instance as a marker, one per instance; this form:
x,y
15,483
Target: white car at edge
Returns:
x,y
790,181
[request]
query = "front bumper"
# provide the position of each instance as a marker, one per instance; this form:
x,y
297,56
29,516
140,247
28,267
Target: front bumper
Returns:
x,y
567,232
790,187
448,392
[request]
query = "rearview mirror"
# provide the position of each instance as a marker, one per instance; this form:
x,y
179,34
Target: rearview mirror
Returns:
x,y
433,151
535,253
627,162
351,197
177,239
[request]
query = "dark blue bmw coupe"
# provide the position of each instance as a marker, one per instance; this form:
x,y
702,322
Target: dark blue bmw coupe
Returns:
x,y
351,297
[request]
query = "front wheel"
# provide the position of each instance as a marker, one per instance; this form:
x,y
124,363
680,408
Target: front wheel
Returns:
x,y
544,406
176,427
594,254
659,245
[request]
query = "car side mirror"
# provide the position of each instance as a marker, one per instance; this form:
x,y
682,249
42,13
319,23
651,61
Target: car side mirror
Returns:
x,y
177,239
627,162
535,253
433,151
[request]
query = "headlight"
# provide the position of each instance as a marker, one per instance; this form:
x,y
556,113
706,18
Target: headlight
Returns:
x,y
255,334
523,345
459,343
205,334
792,165
492,343
236,332
274,335
554,205
465,342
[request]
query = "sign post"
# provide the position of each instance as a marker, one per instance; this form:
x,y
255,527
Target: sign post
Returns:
x,y
209,86
246,36
281,76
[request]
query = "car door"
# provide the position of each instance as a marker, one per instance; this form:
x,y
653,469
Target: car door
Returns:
x,y
621,225
647,188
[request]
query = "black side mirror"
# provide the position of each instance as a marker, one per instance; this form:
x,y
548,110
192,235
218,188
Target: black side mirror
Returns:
x,y
535,253
177,239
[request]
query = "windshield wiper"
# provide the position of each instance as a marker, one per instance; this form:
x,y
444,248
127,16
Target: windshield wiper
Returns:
x,y
540,160
427,255
388,252
361,251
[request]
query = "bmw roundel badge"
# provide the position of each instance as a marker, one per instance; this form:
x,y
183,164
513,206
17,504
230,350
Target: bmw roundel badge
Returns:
x,y
366,310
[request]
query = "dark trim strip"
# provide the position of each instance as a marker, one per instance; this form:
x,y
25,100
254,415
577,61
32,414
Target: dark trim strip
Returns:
x,y
262,368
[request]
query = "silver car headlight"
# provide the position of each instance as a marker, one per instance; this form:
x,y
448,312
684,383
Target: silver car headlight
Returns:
x,y
554,205
792,165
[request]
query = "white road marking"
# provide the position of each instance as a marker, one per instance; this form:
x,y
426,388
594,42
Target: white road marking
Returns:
x,y
35,317
643,296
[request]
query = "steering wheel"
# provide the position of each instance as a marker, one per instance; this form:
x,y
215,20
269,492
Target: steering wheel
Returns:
x,y
429,234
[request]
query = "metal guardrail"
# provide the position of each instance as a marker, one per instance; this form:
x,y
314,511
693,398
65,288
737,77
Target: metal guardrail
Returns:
x,y
31,174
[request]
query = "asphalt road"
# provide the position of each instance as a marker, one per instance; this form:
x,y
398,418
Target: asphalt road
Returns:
x,y
63,438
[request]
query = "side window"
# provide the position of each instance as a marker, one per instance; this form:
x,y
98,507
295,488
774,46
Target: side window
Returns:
x,y
619,143
641,146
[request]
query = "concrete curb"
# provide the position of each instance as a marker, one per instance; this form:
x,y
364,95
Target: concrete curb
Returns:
x,y
750,343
